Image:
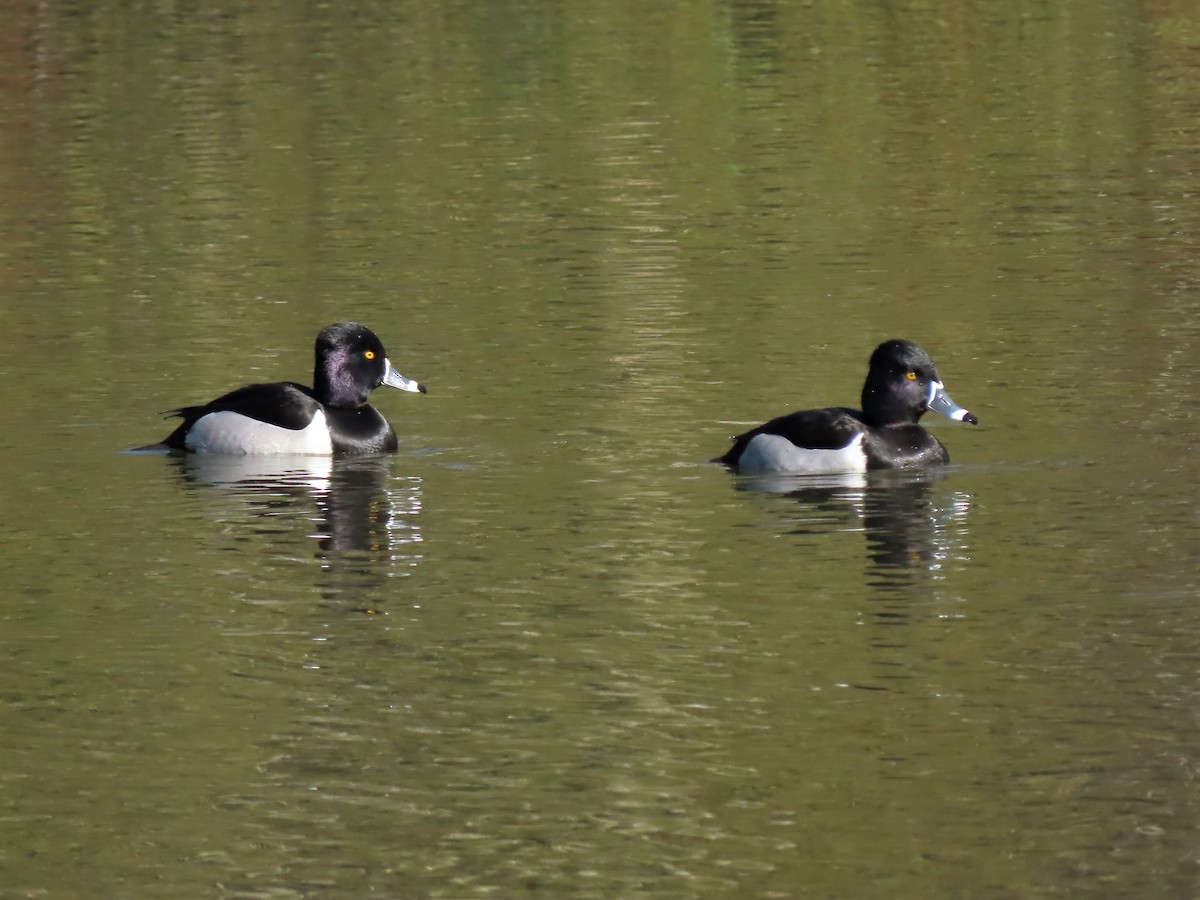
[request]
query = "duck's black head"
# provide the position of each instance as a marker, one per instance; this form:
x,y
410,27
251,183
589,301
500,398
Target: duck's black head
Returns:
x,y
902,383
350,363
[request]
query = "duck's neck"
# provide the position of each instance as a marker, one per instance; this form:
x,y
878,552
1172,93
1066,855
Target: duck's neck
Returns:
x,y
883,404
339,389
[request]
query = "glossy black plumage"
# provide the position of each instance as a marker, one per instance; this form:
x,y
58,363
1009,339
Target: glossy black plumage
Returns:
x,y
350,363
901,383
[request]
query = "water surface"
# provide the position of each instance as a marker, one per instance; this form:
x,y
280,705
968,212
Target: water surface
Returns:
x,y
548,649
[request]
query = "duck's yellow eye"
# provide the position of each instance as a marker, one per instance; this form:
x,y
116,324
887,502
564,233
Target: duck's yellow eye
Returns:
x,y
910,375
369,354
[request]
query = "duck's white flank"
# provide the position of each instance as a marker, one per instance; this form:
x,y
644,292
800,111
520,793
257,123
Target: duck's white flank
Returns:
x,y
768,454
230,432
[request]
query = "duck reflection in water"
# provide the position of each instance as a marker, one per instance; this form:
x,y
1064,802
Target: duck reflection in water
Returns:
x,y
911,523
366,517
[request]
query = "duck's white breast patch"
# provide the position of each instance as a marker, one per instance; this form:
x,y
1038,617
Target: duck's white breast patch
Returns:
x,y
768,454
230,432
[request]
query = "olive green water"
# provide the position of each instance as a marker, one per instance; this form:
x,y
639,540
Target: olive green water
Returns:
x,y
547,650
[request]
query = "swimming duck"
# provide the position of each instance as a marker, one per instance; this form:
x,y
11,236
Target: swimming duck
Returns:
x,y
902,383
332,417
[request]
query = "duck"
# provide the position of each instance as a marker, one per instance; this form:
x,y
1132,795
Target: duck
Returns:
x,y
902,384
332,418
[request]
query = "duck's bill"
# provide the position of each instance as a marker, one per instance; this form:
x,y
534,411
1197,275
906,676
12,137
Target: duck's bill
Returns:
x,y
939,401
392,378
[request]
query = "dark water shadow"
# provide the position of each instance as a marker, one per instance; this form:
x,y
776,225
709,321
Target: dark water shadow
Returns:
x,y
361,518
915,542
914,523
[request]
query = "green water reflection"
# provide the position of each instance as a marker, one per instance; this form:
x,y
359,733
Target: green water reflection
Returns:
x,y
547,650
